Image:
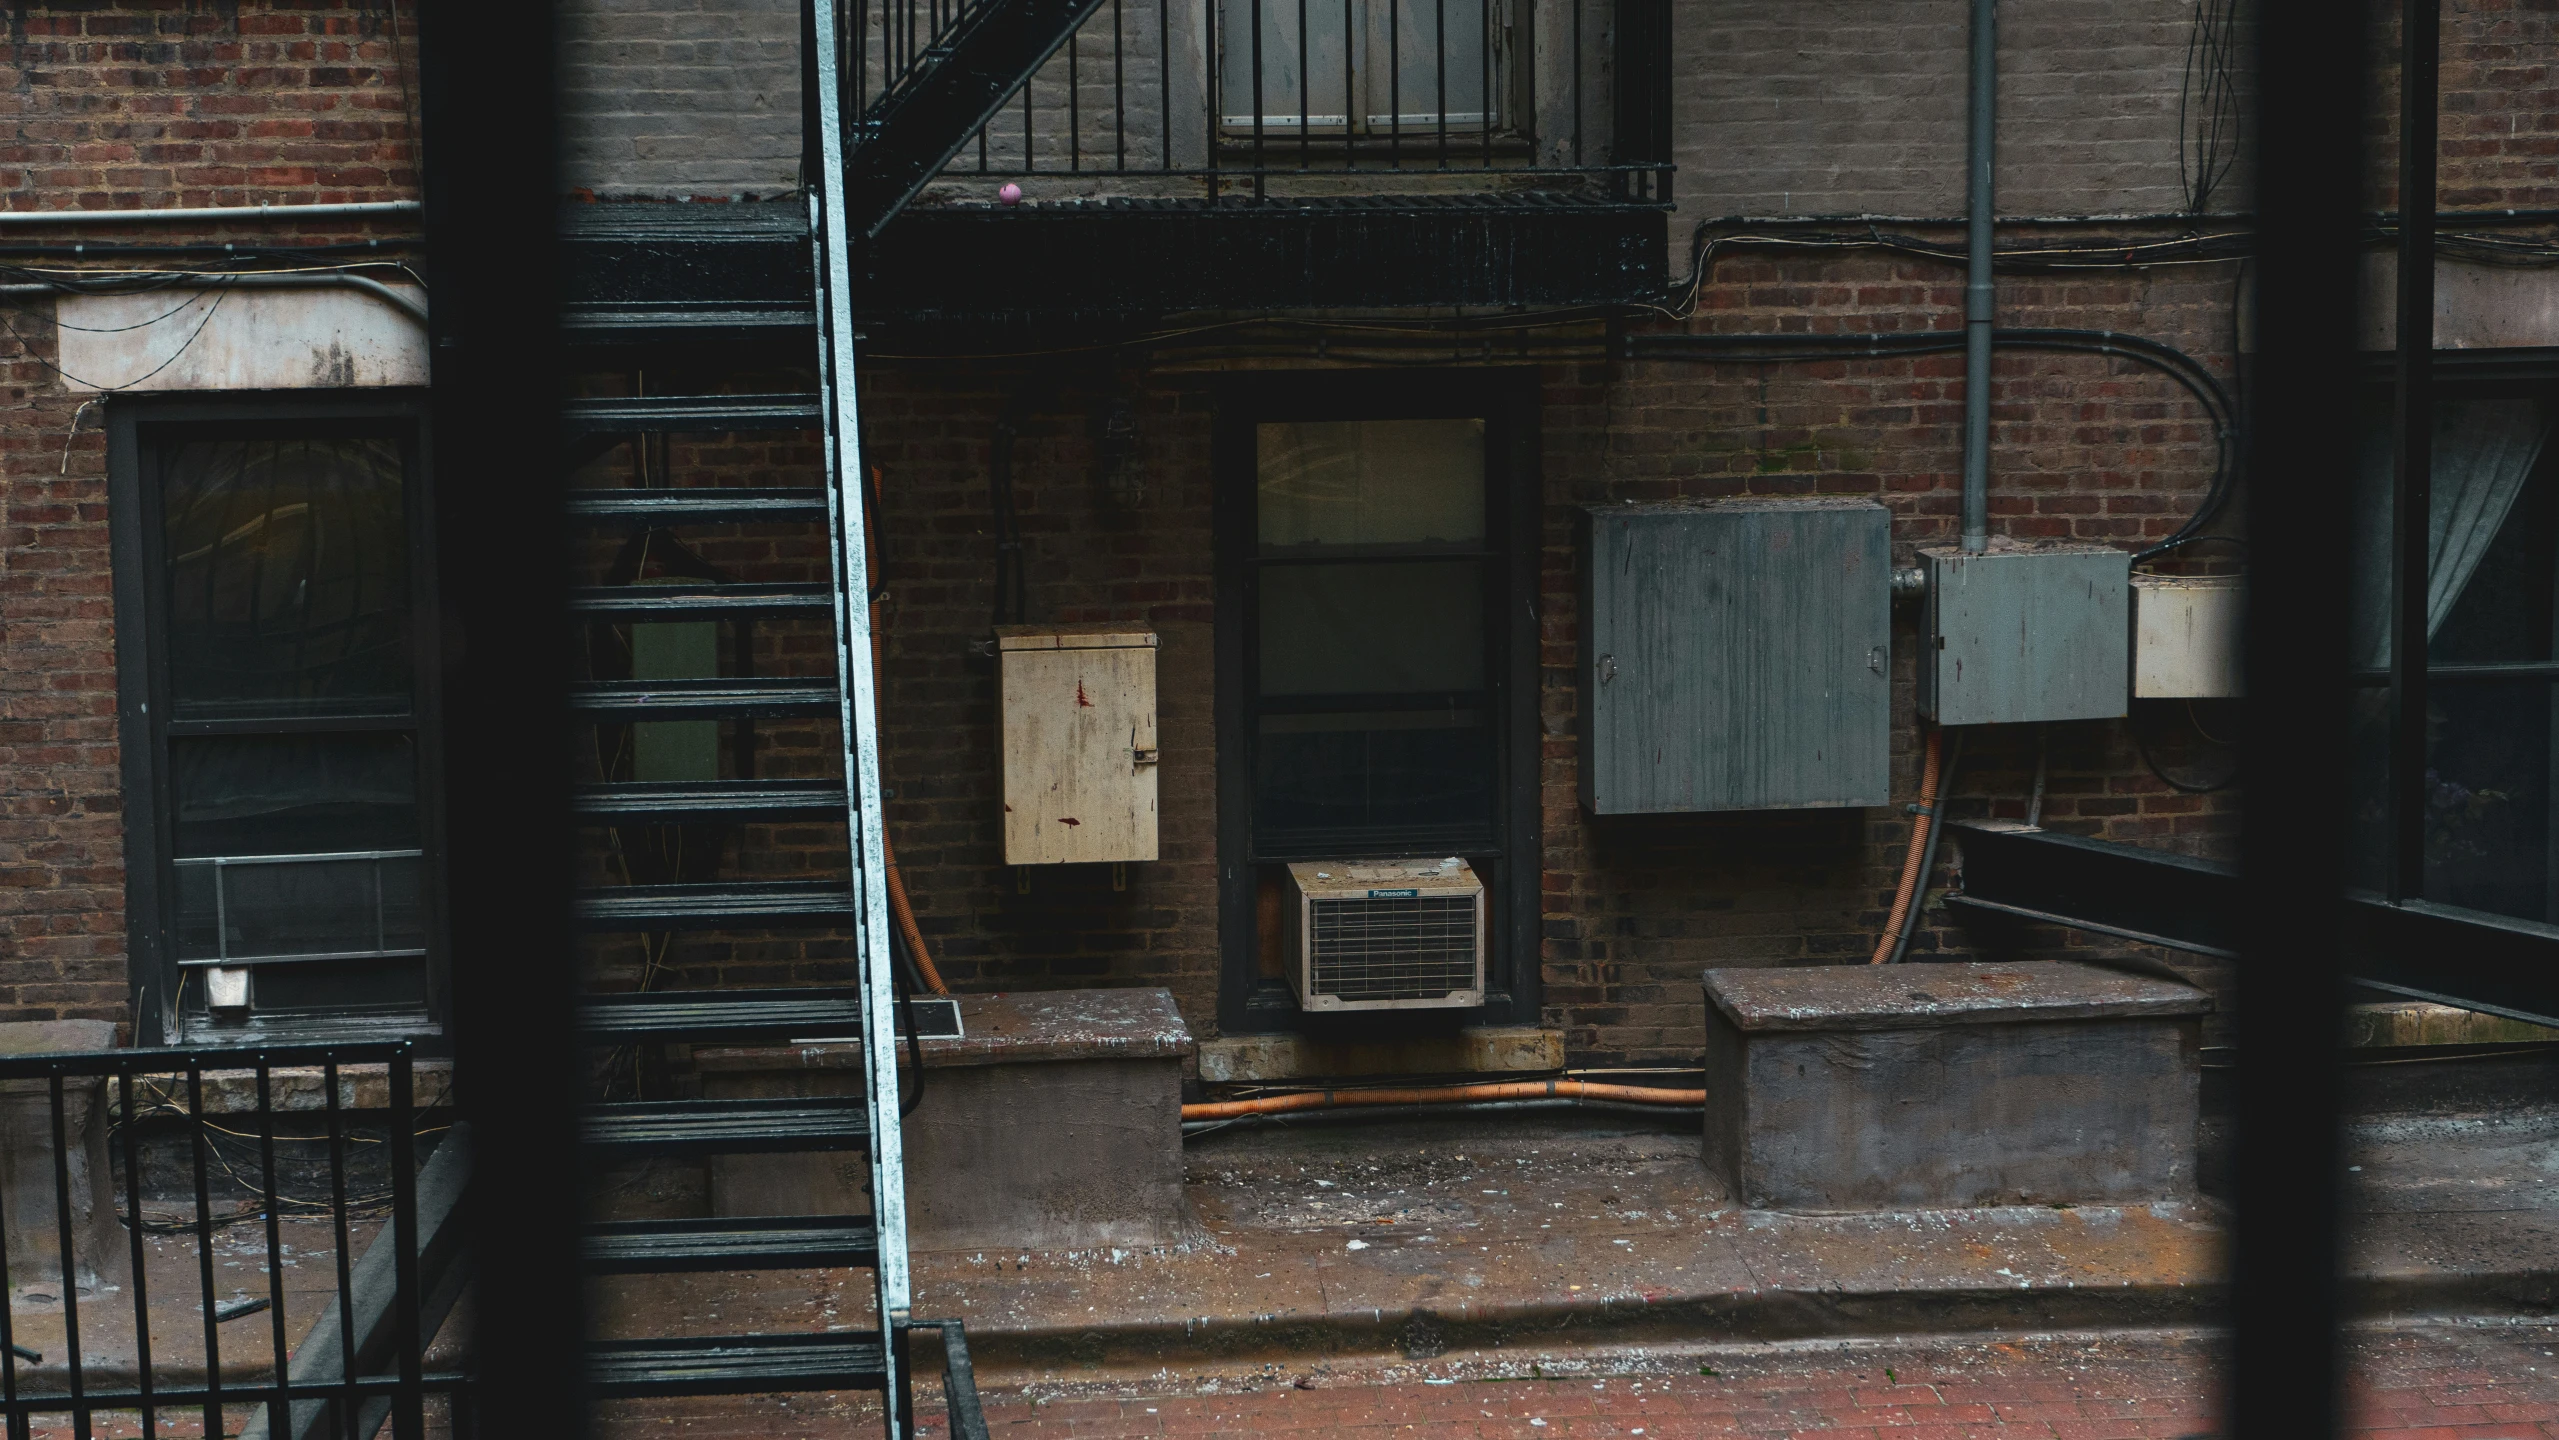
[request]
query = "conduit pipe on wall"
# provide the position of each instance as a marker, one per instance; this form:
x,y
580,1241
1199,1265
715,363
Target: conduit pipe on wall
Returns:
x,y
1980,292
409,302
1443,1095
216,213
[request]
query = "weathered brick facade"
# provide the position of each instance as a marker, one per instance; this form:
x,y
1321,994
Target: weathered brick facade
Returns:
x,y
114,106
1796,110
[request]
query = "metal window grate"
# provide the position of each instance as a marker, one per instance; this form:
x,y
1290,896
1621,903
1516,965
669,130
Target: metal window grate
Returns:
x,y
1405,948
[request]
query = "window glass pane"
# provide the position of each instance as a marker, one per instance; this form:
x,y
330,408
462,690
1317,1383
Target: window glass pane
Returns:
x,y
2488,797
1393,768
287,577
1371,482
248,909
1372,629
2485,450
293,794
336,986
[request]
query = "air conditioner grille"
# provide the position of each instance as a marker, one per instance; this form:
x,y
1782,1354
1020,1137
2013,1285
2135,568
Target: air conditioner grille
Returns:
x,y
1405,948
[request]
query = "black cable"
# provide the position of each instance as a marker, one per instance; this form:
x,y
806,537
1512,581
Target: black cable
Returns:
x,y
2188,372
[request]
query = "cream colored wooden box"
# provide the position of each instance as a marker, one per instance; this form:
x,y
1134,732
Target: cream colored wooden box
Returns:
x,y
1078,708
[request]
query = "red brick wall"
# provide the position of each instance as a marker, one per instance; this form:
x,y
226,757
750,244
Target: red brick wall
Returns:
x,y
124,105
2088,448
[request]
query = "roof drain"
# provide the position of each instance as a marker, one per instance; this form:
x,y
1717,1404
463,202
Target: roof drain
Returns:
x,y
1980,294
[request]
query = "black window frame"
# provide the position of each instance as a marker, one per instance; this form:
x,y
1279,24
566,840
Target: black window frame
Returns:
x,y
2520,372
137,427
1507,400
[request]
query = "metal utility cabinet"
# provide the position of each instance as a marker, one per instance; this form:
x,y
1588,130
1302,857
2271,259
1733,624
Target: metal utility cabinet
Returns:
x,y
2021,633
1736,655
1079,747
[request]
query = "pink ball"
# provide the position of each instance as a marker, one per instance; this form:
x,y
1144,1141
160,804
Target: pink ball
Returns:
x,y
1011,194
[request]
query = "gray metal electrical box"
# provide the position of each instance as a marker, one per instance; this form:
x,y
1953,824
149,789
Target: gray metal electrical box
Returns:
x,y
1736,655
2026,633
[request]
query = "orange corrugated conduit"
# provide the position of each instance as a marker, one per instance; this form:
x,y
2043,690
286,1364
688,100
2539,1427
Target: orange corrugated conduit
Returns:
x,y
1914,860
1444,1095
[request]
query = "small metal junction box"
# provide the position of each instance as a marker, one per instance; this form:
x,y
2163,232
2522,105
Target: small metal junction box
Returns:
x,y
1736,655
2022,633
2186,636
1079,747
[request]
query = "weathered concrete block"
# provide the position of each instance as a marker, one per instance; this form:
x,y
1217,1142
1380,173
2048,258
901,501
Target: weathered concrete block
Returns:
x,y
28,1149
1854,1087
1054,1124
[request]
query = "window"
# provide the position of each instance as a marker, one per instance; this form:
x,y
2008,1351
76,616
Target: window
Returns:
x,y
2492,611
1377,568
1371,643
271,575
1408,68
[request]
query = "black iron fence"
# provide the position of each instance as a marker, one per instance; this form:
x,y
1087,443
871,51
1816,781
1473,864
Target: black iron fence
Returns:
x,y
221,1238
1229,96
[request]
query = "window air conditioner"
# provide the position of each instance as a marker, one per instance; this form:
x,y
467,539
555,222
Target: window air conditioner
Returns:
x,y
1385,934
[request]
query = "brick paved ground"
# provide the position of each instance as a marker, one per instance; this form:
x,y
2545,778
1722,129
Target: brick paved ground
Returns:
x,y
2472,1383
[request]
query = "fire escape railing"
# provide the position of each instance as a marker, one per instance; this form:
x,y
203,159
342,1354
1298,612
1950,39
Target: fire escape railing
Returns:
x,y
160,1280
1232,95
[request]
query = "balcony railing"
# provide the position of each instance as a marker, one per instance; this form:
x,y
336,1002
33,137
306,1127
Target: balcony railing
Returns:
x,y
181,1248
1309,98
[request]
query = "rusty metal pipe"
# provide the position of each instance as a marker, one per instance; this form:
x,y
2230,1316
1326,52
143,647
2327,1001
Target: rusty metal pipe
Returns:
x,y
1443,1095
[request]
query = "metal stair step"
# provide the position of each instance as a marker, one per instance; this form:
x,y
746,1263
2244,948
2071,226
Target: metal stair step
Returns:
x,y
737,1364
730,905
726,1127
663,414
784,1242
701,599
720,1015
696,505
676,322
626,700
709,800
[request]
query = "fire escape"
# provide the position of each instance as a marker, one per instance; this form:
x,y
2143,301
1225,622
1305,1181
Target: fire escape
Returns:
x,y
1338,153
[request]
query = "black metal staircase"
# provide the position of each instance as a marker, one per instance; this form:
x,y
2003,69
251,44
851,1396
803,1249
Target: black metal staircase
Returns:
x,y
656,906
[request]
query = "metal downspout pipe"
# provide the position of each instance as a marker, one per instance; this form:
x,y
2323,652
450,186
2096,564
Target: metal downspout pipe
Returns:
x,y
1980,295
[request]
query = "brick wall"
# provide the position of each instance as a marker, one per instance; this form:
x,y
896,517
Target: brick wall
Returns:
x,y
681,99
121,105
1833,107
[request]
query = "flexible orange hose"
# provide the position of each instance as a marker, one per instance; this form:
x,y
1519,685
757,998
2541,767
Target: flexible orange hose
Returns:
x,y
899,908
1922,824
1443,1095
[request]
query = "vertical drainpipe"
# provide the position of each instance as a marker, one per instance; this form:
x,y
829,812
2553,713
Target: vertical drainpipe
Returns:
x,y
1980,296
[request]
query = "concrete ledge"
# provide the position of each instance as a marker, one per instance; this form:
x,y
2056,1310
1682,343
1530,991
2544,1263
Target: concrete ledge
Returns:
x,y
1054,1123
1852,1087
1506,1049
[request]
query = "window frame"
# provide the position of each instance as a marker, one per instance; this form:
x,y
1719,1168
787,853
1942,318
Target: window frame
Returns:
x,y
2488,373
137,428
1507,400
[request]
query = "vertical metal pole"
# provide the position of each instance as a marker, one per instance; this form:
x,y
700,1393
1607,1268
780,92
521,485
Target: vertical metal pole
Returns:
x,y
2310,125
141,1279
204,1252
2411,503
1981,295
408,1412
279,1409
1258,162
345,1405
70,1260
17,1422
858,714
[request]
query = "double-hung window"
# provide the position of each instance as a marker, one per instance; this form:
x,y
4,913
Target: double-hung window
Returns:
x,y
273,579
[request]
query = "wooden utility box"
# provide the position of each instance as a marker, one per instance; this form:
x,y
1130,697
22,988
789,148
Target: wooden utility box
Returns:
x,y
1078,705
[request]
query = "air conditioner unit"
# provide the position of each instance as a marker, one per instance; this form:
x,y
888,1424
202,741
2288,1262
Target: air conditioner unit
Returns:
x,y
1385,934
